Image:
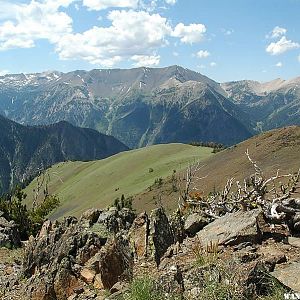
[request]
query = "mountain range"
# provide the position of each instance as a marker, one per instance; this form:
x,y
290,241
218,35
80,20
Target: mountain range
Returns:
x,y
269,105
144,106
25,150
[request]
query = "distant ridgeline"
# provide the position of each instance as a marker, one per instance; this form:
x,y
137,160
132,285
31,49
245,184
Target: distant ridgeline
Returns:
x,y
145,106
26,150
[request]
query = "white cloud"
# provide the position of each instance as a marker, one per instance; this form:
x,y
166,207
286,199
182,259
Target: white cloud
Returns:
x,y
145,60
299,58
127,37
104,4
176,54
278,32
134,35
213,64
7,10
281,46
171,2
279,64
202,54
192,33
36,20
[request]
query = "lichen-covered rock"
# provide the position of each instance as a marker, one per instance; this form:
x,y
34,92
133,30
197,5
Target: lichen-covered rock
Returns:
x,y
160,234
91,215
53,260
9,234
115,220
233,229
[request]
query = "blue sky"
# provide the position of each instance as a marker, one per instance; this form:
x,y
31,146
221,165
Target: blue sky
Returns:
x,y
223,39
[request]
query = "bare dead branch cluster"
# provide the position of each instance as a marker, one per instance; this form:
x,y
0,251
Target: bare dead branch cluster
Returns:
x,y
274,197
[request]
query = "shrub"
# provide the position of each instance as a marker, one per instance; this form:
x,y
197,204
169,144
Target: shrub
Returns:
x,y
219,290
143,288
207,255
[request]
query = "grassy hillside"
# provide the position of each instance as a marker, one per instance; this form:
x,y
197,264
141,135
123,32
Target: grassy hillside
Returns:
x,y
81,185
273,150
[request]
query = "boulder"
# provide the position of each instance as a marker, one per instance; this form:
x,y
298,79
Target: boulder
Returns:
x,y
294,241
9,234
234,228
119,287
88,275
194,223
289,275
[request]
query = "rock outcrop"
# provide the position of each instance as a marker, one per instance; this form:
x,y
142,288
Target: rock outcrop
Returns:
x,y
67,256
161,235
104,250
139,236
116,220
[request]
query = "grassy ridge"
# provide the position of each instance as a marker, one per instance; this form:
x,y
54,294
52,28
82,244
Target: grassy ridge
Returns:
x,y
278,149
81,185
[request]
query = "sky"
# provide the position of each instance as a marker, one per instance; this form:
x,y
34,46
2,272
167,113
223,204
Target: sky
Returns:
x,y
223,39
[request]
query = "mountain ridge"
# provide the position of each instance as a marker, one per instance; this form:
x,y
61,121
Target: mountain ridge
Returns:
x,y
144,106
26,150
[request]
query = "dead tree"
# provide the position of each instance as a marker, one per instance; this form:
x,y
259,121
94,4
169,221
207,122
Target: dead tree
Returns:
x,y
273,197
188,184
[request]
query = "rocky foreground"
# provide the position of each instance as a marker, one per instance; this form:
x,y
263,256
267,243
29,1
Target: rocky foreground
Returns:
x,y
237,256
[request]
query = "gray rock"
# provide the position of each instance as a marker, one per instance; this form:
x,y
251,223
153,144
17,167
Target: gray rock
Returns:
x,y
9,234
289,275
233,229
51,259
294,241
115,220
161,235
194,223
119,287
91,215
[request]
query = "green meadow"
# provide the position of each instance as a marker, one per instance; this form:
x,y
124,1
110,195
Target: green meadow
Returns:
x,y
82,185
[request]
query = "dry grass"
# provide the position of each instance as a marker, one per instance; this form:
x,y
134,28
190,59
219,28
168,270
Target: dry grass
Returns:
x,y
273,150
